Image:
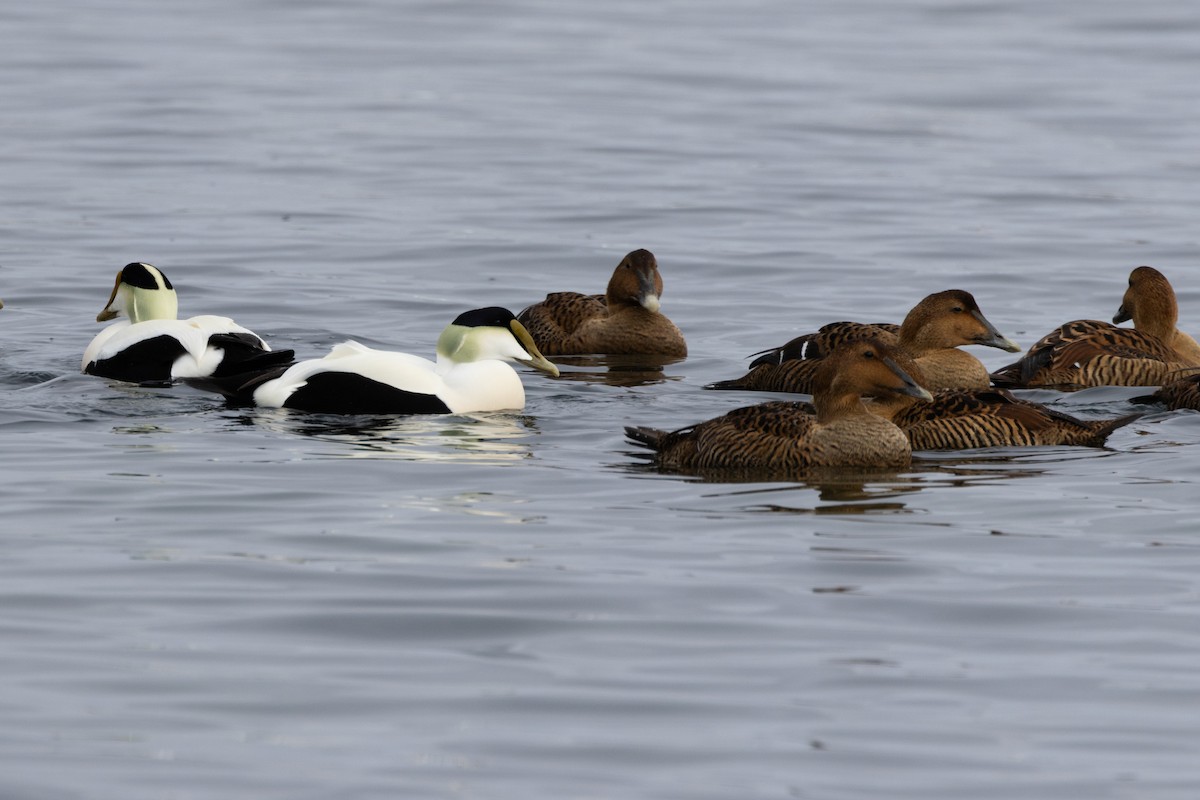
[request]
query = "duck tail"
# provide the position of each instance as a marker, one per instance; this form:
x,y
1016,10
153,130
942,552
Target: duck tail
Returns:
x,y
257,363
238,389
735,383
1102,428
647,437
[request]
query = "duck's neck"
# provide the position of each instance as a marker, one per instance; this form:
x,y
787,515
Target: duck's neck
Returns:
x,y
888,407
1157,314
155,304
833,406
915,341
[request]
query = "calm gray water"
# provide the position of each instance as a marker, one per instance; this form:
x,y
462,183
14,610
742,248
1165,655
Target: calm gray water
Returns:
x,y
198,602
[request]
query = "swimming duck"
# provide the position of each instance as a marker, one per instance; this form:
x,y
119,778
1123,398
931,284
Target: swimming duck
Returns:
x,y
470,374
625,320
931,334
1088,352
783,437
152,346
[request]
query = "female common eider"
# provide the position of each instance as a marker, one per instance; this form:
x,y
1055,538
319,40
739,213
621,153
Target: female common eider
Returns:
x,y
152,346
783,438
1089,352
470,374
625,320
931,334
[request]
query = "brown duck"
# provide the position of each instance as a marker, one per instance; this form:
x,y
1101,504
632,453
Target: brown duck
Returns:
x,y
931,334
783,438
1183,393
1089,352
625,320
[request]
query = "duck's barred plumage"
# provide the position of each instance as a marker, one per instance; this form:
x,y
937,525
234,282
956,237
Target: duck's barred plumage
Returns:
x,y
1182,393
967,419
792,367
624,321
1089,352
931,334
778,435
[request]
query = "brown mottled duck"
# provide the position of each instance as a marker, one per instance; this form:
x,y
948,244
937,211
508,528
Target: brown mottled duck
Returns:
x,y
1089,352
625,320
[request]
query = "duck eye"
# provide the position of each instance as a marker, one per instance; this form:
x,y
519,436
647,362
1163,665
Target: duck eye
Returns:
x,y
956,310
868,354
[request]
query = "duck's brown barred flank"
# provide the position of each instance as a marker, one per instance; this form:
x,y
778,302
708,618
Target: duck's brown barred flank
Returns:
x,y
1086,353
965,419
624,320
931,333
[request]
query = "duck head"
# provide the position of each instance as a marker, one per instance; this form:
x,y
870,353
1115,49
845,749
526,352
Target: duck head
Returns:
x,y
141,292
491,333
1149,302
636,282
867,367
950,319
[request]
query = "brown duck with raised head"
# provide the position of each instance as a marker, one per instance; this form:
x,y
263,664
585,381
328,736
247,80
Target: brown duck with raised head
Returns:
x,y
931,334
783,438
625,320
1089,352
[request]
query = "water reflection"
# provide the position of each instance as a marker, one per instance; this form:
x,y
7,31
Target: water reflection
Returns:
x,y
458,438
616,370
851,491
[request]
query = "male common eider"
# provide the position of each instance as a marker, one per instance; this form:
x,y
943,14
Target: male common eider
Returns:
x,y
152,346
470,374
625,320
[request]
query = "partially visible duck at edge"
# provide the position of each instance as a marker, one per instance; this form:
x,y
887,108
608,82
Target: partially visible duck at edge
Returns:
x,y
470,374
1182,393
625,320
783,438
1087,353
151,345
931,334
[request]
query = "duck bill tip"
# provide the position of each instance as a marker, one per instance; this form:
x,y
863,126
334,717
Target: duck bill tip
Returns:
x,y
106,315
1008,345
542,365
